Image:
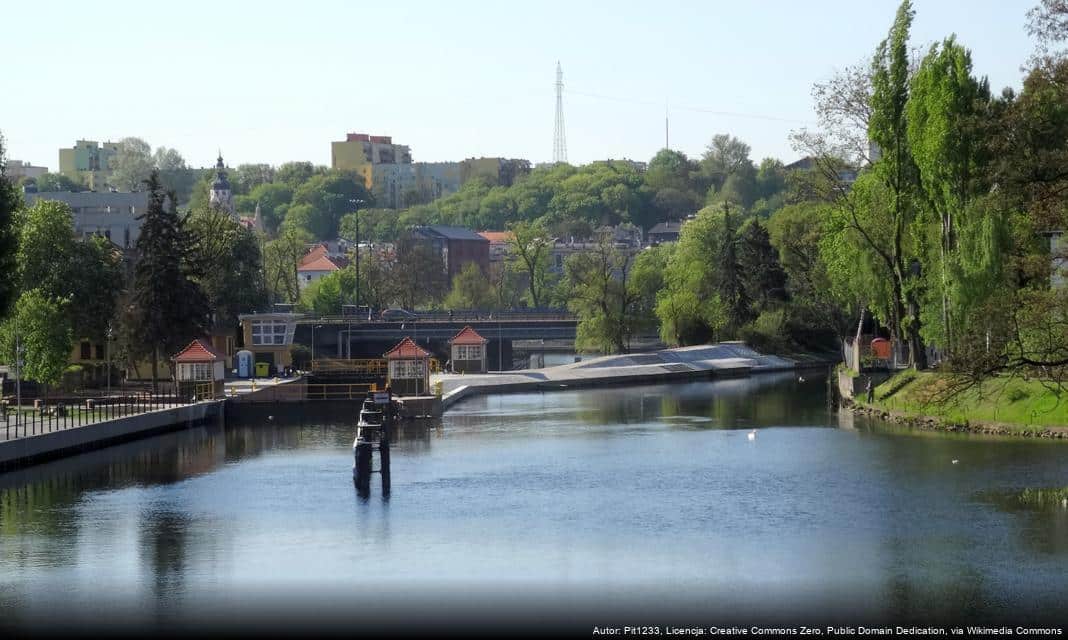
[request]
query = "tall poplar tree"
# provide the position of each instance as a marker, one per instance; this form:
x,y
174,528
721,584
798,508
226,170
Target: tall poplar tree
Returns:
x,y
9,202
169,308
896,171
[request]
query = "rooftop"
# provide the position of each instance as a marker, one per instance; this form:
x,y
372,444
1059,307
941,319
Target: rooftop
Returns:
x,y
198,351
406,348
468,335
452,233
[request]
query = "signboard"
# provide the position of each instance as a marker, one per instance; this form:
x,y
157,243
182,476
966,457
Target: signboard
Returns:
x,y
381,397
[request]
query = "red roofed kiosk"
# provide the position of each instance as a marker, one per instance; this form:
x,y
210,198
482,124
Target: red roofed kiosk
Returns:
x,y
409,368
468,351
199,370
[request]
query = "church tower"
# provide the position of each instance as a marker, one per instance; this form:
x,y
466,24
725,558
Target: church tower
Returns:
x,y
221,197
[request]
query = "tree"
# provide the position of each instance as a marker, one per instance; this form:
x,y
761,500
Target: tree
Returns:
x,y
132,165
296,173
51,182
281,257
599,292
61,266
173,173
42,327
328,197
763,278
646,281
470,290
896,171
730,280
9,204
945,130
169,307
689,306
273,199
419,276
229,263
530,246
329,293
247,177
727,156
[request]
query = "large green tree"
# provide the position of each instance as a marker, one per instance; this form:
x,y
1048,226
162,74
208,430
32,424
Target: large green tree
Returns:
x,y
169,307
9,203
530,247
229,265
52,259
40,324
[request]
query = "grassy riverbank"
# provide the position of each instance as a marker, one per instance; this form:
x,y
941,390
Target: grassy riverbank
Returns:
x,y
1011,404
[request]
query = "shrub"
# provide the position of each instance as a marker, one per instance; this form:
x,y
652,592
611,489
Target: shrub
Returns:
x,y
767,333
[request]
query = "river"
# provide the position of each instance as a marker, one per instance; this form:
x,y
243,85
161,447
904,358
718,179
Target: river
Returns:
x,y
644,504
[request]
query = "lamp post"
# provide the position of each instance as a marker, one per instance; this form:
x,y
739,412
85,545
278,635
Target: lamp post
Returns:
x,y
19,351
109,335
356,202
318,326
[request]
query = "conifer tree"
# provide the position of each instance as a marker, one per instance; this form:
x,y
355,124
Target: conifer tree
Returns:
x,y
169,308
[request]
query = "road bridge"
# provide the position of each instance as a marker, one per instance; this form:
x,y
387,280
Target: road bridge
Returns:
x,y
351,337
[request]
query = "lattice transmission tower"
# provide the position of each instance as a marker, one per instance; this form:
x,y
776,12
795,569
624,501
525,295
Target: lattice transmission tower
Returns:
x,y
559,139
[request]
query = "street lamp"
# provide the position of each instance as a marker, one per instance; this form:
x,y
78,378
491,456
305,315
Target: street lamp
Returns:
x,y
318,326
110,335
356,202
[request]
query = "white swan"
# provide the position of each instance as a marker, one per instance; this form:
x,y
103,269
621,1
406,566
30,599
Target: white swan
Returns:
x,y
800,378
751,435
955,461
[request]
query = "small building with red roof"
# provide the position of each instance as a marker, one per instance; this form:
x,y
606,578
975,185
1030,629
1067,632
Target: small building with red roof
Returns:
x,y
468,350
409,369
199,367
318,262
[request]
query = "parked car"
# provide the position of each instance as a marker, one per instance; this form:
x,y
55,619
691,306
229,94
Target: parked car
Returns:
x,y
398,315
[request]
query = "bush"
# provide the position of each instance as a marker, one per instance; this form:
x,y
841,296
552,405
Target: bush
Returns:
x,y
72,378
767,333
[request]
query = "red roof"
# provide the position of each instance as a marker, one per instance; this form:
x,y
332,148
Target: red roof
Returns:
x,y
406,349
319,264
497,236
198,351
318,259
468,336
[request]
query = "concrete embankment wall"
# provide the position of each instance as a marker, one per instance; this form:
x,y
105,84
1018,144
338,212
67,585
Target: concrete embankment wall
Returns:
x,y
37,448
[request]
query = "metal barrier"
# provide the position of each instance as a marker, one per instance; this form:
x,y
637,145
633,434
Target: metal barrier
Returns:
x,y
304,392
57,415
367,366
355,391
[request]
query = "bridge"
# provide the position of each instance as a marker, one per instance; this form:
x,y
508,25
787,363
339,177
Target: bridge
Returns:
x,y
353,337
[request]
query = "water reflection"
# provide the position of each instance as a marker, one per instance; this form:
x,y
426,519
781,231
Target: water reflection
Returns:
x,y
556,491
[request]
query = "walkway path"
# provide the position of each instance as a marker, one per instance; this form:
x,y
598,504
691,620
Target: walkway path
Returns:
x,y
723,359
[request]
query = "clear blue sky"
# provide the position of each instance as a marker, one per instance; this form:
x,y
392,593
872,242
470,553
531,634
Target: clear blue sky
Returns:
x,y
277,81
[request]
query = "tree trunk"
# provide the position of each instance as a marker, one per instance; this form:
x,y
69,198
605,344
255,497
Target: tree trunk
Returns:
x,y
155,367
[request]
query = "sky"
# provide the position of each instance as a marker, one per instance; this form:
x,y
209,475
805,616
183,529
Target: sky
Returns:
x,y
274,82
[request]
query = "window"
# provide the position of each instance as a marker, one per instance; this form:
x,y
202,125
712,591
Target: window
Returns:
x,y
99,352
268,332
468,352
407,369
195,371
86,352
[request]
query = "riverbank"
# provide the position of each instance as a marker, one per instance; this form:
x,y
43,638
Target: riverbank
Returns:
x,y
1004,406
725,359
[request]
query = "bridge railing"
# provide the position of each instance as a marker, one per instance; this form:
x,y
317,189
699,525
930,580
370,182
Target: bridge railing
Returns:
x,y
455,316
363,366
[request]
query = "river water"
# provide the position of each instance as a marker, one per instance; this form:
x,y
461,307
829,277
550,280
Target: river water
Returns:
x,y
641,505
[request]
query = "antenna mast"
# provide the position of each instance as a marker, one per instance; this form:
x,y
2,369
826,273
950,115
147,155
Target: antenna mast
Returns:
x,y
559,140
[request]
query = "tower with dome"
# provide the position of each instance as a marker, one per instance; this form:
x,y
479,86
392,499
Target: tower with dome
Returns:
x,y
221,196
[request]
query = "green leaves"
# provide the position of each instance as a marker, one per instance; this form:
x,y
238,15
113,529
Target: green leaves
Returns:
x,y
41,325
